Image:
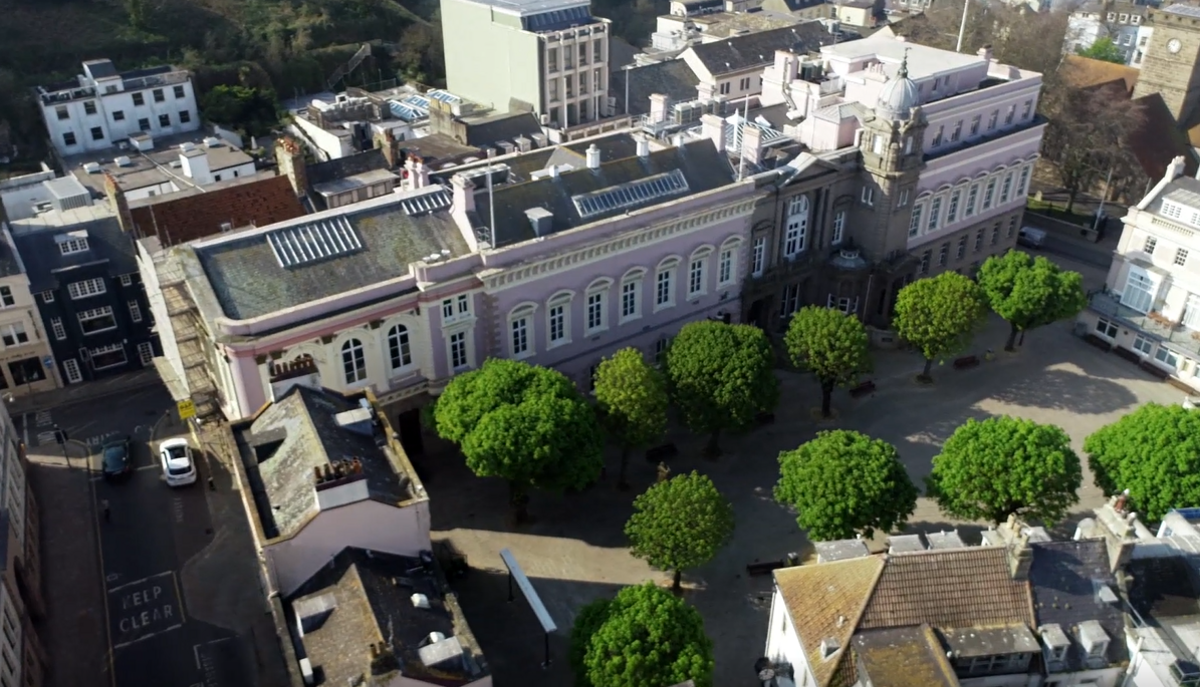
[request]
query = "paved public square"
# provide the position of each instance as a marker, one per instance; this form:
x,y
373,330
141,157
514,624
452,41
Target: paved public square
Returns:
x,y
574,551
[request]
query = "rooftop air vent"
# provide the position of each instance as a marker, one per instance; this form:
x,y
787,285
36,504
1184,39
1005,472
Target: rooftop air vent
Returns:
x,y
123,161
212,142
92,168
420,601
187,147
829,647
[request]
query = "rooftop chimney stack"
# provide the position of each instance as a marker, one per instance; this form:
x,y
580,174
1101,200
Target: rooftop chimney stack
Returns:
x,y
751,143
464,193
658,108
593,157
713,127
643,147
986,52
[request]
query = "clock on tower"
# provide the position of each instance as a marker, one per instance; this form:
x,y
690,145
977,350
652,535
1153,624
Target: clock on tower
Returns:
x,y
1170,64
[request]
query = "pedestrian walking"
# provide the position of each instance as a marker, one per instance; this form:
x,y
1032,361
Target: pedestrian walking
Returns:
x,y
107,512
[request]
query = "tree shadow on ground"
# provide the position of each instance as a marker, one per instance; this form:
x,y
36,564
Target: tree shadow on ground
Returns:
x,y
1068,390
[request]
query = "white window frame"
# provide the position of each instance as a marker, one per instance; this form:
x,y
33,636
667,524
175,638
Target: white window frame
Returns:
x,y
631,295
86,288
1006,188
70,245
126,280
839,227
72,370
952,206
111,348
989,194
521,331
1181,256
867,196
456,309
758,257
558,307
914,222
727,263
96,314
353,355
972,199
6,297
47,296
698,273
1167,357
145,351
1141,289
903,199
1022,189
1143,345
399,346
665,287
15,330
1150,244
596,295
1106,328
1191,312
458,343
795,237
935,214
57,328
135,311
790,302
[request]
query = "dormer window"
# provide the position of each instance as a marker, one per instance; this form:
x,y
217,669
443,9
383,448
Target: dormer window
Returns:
x,y
69,244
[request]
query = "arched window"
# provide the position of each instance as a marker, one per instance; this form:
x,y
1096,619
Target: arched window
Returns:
x,y
558,319
354,362
631,294
520,324
664,283
698,272
399,352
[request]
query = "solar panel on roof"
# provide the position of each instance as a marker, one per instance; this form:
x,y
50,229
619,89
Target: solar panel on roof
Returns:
x,y
306,243
628,195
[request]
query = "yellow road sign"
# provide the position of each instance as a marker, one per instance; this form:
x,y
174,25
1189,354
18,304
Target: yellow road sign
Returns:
x,y
187,409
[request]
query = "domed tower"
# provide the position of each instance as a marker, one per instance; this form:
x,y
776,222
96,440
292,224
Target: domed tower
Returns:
x,y
891,146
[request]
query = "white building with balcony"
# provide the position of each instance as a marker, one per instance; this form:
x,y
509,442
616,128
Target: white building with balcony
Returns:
x,y
101,107
1149,309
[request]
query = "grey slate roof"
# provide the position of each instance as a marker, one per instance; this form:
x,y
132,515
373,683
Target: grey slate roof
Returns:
x,y
248,280
101,69
502,127
47,267
672,78
704,168
297,433
1065,577
758,49
363,598
1163,587
343,167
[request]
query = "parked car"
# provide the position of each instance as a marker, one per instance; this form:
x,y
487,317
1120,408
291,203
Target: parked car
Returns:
x,y
179,469
116,458
1031,237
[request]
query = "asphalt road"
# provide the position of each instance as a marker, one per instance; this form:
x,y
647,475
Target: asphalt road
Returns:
x,y
150,533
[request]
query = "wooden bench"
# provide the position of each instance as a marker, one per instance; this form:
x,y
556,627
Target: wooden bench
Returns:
x,y
1154,369
966,361
1128,355
1185,388
1098,342
862,389
764,568
765,418
660,453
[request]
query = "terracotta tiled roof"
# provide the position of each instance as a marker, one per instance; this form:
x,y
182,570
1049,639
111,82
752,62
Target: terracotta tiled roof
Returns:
x,y
946,589
825,601
1084,72
196,215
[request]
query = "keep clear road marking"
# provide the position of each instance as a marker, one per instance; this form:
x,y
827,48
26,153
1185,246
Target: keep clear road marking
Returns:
x,y
145,608
43,418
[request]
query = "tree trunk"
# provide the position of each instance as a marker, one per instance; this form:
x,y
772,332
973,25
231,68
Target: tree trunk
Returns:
x,y
519,502
1071,199
826,398
713,450
1010,345
677,585
622,482
925,377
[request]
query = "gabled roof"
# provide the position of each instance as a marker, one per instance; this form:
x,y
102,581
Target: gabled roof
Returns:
x,y
1157,140
298,433
825,601
1085,72
947,589
699,163
758,49
672,78
1066,577
181,217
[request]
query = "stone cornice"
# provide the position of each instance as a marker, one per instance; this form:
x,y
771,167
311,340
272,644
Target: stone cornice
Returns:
x,y
505,278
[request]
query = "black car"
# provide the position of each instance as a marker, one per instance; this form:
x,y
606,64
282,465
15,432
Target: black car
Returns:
x,y
116,458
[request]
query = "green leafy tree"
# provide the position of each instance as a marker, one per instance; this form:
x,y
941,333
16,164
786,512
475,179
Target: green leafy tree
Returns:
x,y
251,110
844,483
939,316
645,637
830,343
1030,292
632,397
1103,49
525,424
721,377
1004,465
680,524
1154,452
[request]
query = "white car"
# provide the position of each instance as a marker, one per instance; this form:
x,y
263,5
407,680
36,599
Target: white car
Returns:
x,y
177,465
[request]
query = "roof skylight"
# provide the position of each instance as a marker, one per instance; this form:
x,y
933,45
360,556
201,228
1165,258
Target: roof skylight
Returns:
x,y
307,243
630,194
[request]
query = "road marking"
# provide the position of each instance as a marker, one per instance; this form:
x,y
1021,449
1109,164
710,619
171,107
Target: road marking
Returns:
x,y
46,438
112,577
43,418
93,442
177,509
148,608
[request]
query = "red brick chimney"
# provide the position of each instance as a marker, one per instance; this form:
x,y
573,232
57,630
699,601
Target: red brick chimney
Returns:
x,y
289,155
